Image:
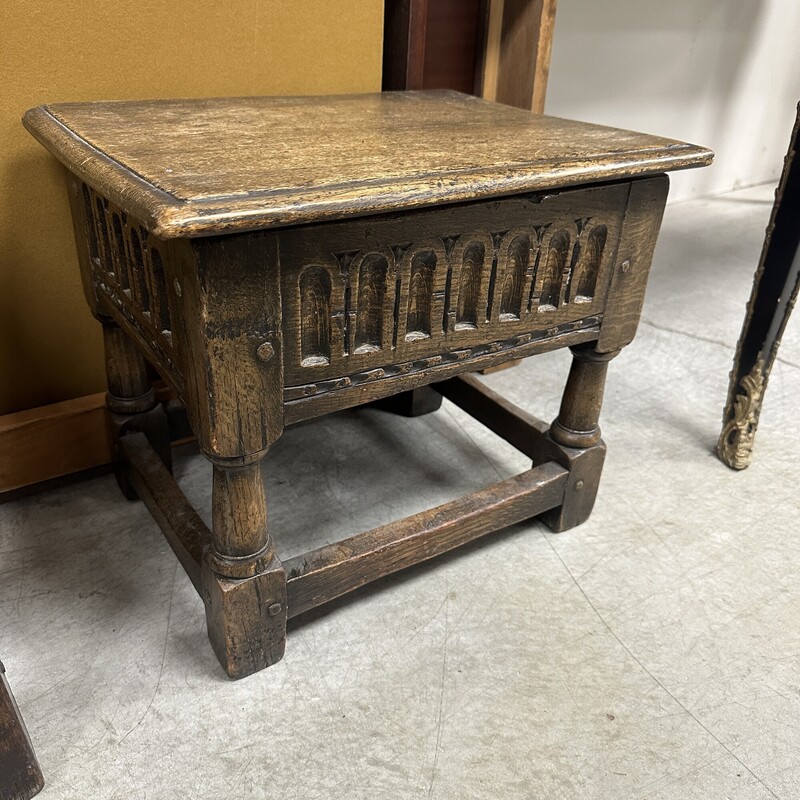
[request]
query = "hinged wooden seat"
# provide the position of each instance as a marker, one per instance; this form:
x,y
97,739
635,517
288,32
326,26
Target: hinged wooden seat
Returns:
x,y
277,259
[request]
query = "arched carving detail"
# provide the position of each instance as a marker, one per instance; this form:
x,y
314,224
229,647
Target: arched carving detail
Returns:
x,y
91,227
103,237
584,282
420,295
557,261
139,282
315,317
118,250
371,297
469,286
516,266
159,294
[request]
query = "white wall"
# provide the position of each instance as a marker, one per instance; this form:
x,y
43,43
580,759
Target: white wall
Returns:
x,y
720,73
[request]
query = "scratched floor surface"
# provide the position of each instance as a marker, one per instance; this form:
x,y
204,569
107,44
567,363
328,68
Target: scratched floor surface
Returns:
x,y
652,653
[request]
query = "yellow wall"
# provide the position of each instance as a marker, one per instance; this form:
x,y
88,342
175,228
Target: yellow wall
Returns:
x,y
64,50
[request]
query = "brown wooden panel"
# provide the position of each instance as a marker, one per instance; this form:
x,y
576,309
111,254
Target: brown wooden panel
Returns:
x,y
453,44
518,45
496,270
51,441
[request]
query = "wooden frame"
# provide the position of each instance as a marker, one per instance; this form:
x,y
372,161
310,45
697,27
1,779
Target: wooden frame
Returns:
x,y
518,46
324,574
49,442
498,49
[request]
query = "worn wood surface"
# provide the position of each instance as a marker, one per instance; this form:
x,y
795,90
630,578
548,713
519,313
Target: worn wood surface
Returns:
x,y
405,287
579,414
246,618
130,389
303,408
20,774
324,574
534,437
200,167
625,296
776,286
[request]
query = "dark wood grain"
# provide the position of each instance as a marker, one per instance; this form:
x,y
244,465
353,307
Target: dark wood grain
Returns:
x,y
187,534
200,167
454,40
324,574
516,426
308,407
577,422
20,774
645,209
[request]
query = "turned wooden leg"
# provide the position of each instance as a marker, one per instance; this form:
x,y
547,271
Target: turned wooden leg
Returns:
x,y
575,436
131,401
413,403
243,579
20,774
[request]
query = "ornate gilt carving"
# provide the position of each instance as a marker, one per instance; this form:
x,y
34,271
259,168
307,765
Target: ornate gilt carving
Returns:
x,y
735,446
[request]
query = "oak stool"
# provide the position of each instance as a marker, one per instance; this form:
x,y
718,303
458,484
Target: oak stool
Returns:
x,y
276,259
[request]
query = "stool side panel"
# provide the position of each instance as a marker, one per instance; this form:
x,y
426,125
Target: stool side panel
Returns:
x,y
626,293
124,271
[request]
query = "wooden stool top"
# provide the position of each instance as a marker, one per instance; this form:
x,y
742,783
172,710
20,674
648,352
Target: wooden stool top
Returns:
x,y
204,167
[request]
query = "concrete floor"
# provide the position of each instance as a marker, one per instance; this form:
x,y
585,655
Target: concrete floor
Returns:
x,y
653,652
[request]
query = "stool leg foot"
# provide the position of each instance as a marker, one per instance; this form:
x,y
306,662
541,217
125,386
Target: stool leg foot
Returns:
x,y
413,403
131,401
585,468
244,582
574,438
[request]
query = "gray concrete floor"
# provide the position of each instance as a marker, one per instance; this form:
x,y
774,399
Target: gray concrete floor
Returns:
x,y
653,652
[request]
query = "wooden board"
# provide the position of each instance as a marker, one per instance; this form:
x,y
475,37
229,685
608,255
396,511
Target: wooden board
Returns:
x,y
50,441
202,167
518,45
